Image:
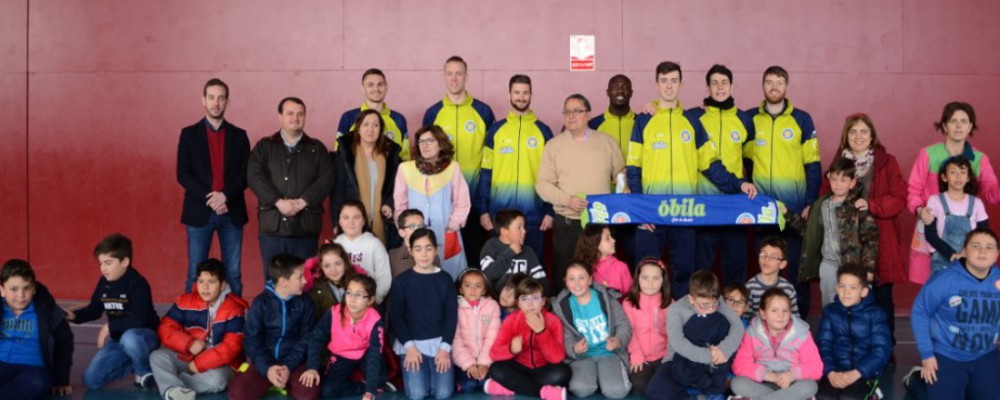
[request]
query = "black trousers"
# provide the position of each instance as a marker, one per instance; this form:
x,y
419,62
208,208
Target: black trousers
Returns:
x,y
525,381
565,232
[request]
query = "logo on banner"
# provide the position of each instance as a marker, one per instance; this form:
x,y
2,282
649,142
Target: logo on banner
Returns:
x,y
599,213
745,219
768,214
685,210
686,135
621,218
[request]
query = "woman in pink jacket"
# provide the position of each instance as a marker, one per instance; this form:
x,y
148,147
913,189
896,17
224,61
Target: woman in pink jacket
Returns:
x,y
777,358
478,324
957,123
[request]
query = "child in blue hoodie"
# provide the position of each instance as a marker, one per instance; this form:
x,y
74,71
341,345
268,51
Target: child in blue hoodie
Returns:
x,y
276,336
956,321
854,340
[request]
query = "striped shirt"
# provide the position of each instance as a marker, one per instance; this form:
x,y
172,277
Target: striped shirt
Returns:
x,y
758,287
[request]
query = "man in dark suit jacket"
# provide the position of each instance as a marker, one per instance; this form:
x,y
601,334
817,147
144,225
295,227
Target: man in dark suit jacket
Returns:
x,y
212,167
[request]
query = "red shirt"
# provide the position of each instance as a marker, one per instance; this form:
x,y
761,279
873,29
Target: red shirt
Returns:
x,y
216,155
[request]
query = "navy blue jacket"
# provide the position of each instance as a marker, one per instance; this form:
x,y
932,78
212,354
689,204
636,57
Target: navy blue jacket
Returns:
x,y
127,302
855,337
194,172
277,331
54,334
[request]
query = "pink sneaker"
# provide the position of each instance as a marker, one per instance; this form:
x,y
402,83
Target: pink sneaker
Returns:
x,y
491,387
550,392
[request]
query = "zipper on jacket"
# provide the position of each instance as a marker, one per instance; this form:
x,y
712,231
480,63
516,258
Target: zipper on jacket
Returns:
x,y
284,321
850,337
670,132
770,167
531,347
517,165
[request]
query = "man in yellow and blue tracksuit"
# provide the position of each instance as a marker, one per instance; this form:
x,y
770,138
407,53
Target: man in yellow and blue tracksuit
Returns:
x,y
619,119
511,155
727,127
668,154
466,121
374,86
783,158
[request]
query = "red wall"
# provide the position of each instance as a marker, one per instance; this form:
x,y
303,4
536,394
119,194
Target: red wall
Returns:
x,y
93,93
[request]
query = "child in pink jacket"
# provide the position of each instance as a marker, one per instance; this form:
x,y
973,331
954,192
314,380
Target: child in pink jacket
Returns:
x,y
777,357
478,324
646,308
596,248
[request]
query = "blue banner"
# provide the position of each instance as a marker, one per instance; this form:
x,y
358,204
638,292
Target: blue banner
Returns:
x,y
687,210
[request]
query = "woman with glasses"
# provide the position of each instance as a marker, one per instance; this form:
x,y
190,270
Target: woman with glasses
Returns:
x,y
433,184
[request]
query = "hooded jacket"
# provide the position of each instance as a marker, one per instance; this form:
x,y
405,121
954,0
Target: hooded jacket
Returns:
x,y
797,352
855,337
618,324
277,330
537,349
477,331
189,320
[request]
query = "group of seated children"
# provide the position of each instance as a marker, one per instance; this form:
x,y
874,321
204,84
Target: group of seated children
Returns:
x,y
320,327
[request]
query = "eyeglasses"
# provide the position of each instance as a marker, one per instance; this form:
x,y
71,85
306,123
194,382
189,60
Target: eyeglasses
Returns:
x,y
978,247
707,306
356,295
735,303
530,299
423,142
414,226
769,257
577,111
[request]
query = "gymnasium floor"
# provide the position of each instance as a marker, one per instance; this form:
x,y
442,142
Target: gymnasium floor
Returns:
x,y
86,336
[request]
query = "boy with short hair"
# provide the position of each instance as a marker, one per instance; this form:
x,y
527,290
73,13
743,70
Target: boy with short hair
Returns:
x,y
123,295
772,260
202,337
399,258
506,253
837,232
276,336
702,343
36,344
854,340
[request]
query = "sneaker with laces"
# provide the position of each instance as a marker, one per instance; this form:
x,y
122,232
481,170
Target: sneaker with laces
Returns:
x,y
179,393
491,387
550,392
145,381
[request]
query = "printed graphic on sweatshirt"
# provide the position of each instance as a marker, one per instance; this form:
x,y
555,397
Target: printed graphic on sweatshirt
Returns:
x,y
18,328
357,259
115,306
977,313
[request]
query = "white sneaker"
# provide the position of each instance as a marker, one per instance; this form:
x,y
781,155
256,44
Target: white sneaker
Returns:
x,y
179,393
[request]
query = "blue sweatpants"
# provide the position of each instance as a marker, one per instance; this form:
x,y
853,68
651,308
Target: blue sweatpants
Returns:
x,y
978,379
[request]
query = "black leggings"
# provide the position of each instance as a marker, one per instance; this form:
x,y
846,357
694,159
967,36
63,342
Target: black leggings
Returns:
x,y
527,381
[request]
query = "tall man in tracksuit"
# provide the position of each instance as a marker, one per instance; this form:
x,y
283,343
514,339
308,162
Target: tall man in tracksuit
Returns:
x,y
727,127
669,153
617,123
511,155
374,86
466,121
782,155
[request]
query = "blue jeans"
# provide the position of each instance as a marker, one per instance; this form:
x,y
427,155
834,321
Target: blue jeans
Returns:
x,y
230,242
118,358
24,381
427,381
466,384
271,246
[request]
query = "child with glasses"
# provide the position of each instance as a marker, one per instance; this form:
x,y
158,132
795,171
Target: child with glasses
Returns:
x,y
737,297
772,260
399,258
704,335
352,333
478,324
528,353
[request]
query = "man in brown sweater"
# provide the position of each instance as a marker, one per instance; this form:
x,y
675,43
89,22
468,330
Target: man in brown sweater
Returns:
x,y
576,163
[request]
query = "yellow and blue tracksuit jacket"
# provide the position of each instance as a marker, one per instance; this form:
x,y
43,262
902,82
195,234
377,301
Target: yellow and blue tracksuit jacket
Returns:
x,y
619,128
782,156
669,152
728,130
466,125
512,153
395,127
